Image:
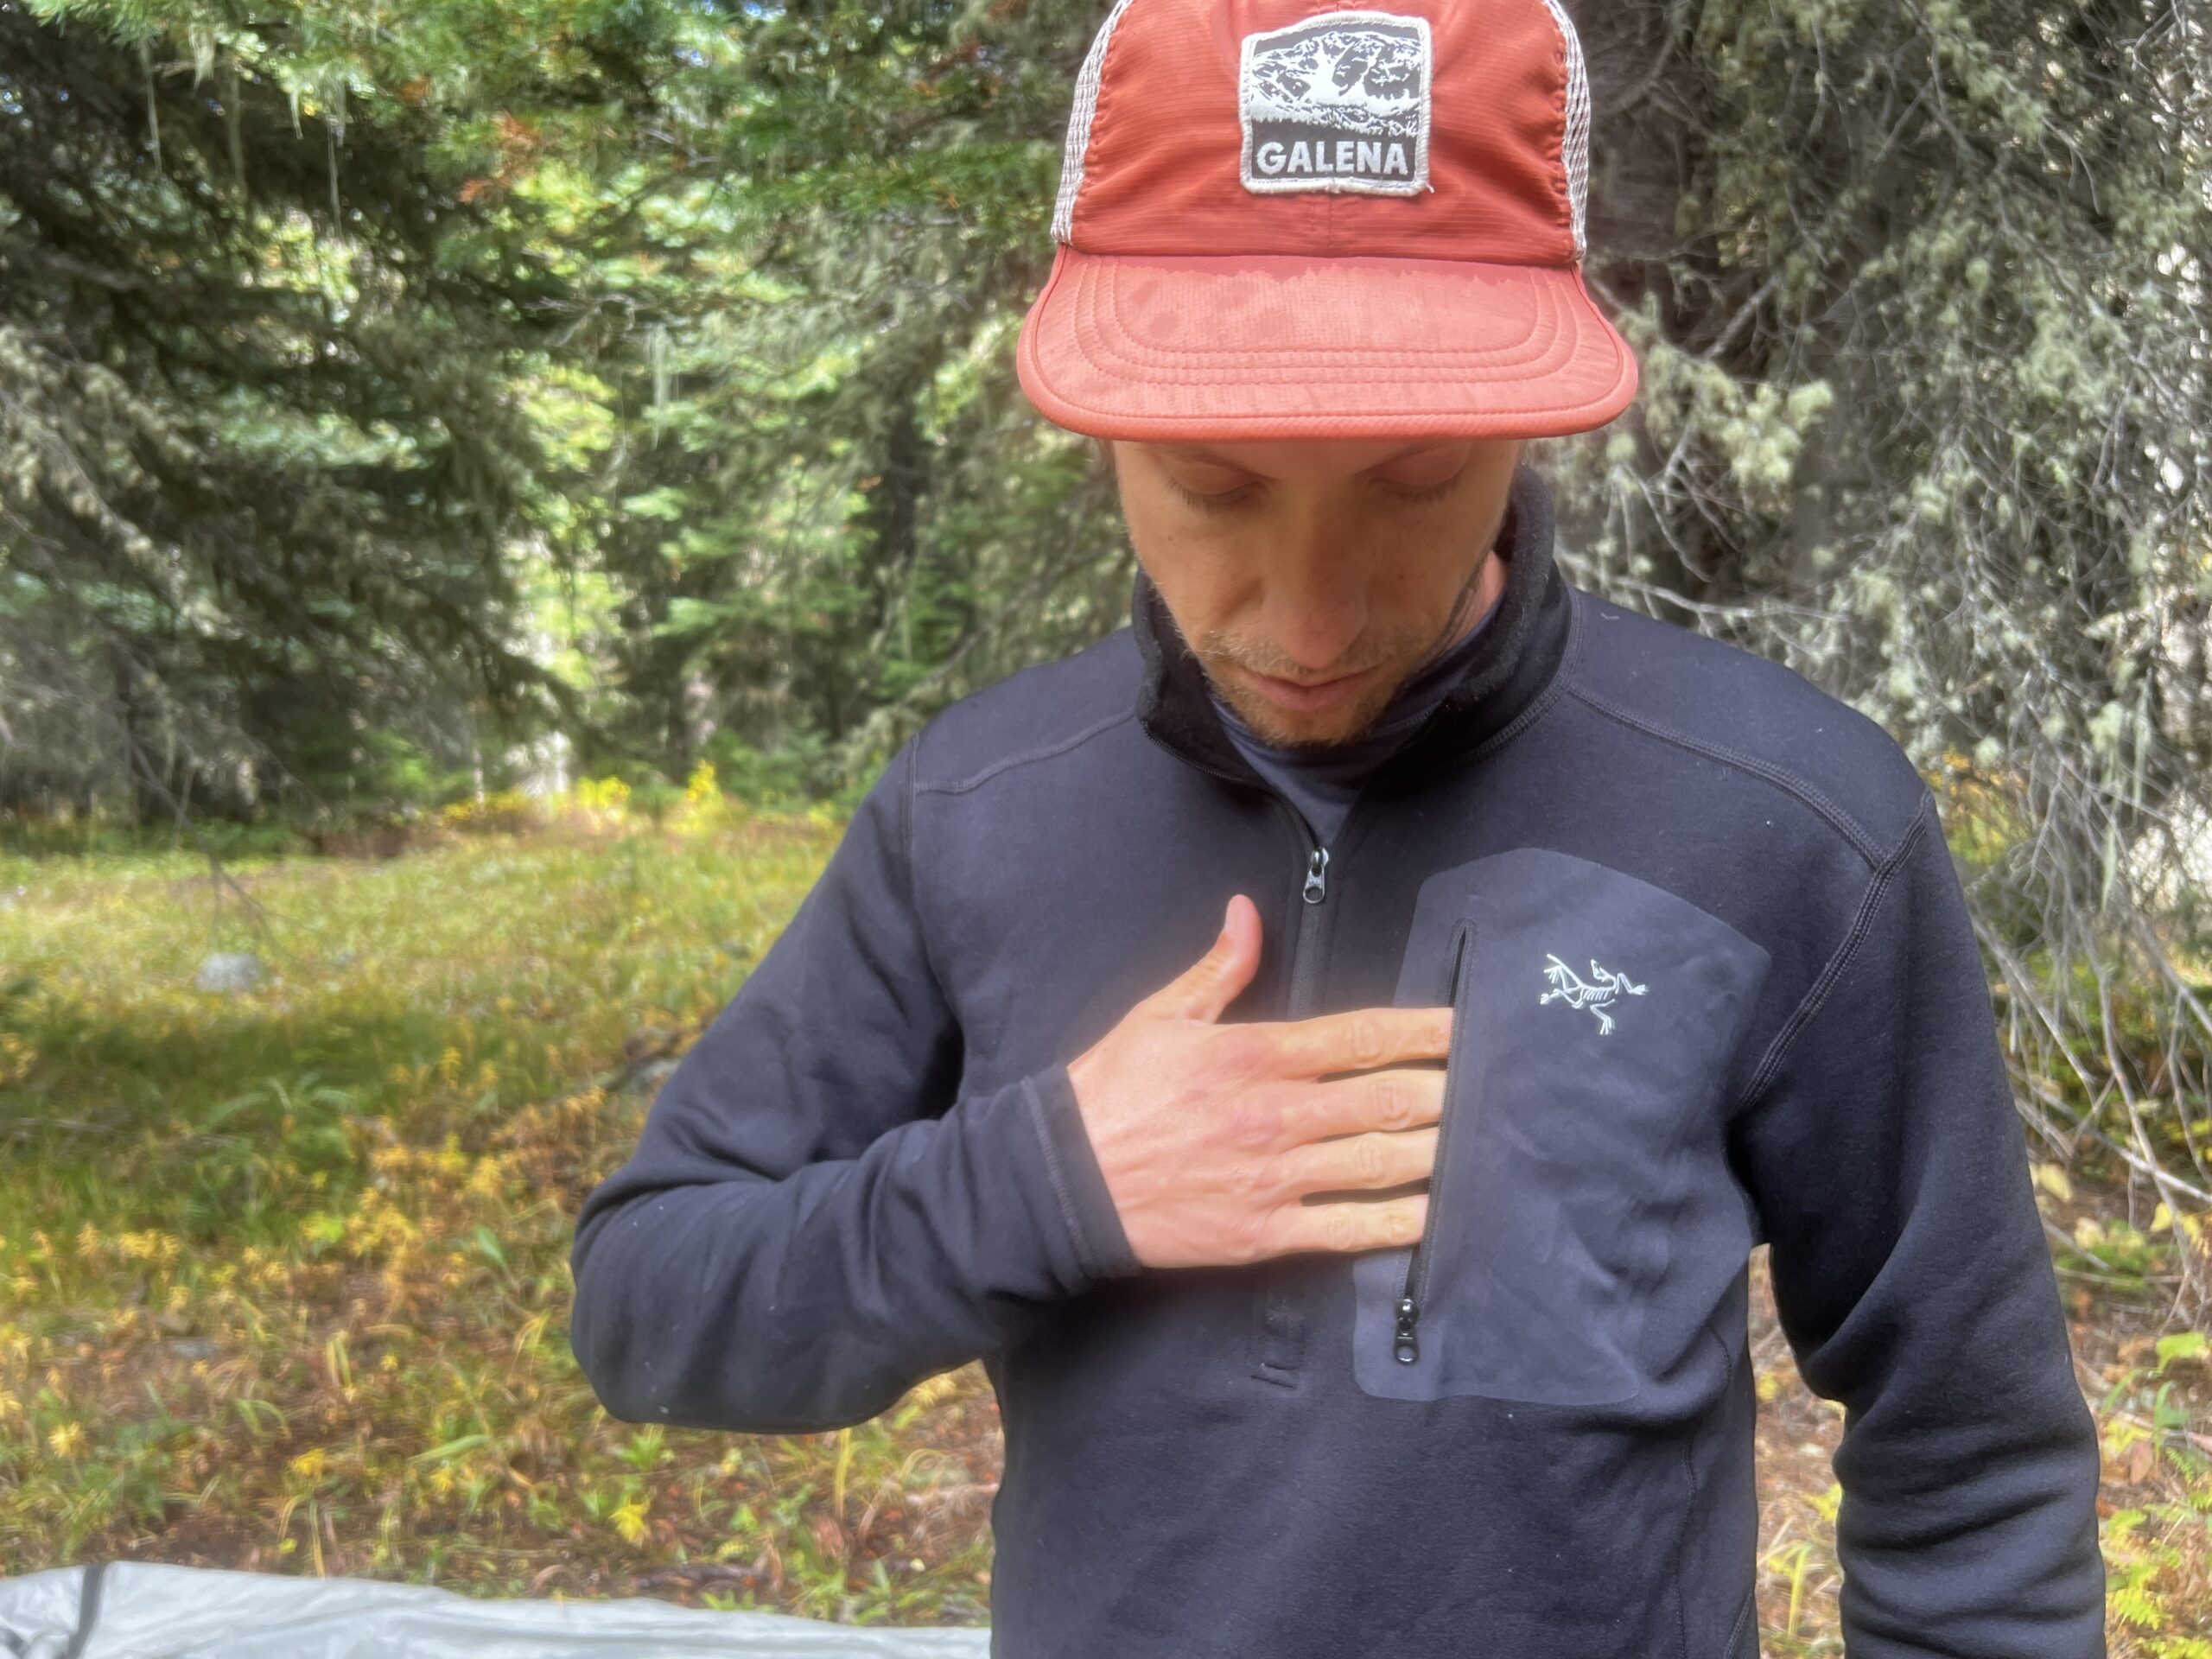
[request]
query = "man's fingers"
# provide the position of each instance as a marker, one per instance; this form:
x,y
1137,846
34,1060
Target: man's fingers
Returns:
x,y
1355,1162
1404,1097
1355,1224
1359,1040
1212,982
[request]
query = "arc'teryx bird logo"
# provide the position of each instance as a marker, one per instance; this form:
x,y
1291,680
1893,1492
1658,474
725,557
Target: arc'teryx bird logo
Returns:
x,y
1596,993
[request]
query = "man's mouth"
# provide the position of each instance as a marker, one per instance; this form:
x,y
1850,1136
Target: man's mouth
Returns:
x,y
1313,695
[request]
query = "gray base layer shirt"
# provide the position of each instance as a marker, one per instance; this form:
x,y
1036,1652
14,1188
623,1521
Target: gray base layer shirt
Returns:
x,y
1714,984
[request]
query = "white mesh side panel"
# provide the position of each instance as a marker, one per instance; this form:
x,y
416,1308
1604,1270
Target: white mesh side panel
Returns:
x,y
1086,105
1575,150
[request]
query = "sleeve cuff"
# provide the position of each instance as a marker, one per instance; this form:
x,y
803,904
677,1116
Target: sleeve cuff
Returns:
x,y
1079,1185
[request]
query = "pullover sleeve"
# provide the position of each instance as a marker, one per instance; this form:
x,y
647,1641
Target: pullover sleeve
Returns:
x,y
1889,1171
811,1222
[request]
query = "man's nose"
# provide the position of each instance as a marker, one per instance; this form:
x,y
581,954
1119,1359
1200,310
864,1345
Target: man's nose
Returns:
x,y
1317,597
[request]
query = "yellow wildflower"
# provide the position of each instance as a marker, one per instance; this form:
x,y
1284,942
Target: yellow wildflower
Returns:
x,y
489,1179
630,1521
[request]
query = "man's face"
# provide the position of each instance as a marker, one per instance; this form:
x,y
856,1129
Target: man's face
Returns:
x,y
1310,577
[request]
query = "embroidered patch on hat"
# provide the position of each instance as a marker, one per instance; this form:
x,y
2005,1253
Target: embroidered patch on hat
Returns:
x,y
1339,103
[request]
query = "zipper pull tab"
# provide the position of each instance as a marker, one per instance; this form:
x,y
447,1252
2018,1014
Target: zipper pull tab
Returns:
x,y
1405,1347
1317,879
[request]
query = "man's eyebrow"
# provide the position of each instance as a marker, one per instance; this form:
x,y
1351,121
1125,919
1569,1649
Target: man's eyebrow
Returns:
x,y
1200,453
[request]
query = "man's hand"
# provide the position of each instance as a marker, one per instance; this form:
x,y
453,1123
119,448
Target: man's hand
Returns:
x,y
1209,1136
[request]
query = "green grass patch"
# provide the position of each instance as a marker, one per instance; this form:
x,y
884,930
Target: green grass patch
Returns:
x,y
284,1277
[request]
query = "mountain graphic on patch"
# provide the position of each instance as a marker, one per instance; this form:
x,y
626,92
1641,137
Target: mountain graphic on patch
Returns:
x,y
1338,102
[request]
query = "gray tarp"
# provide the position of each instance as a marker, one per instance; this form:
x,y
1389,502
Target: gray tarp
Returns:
x,y
130,1611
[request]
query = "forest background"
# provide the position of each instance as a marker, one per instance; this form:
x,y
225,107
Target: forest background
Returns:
x,y
425,422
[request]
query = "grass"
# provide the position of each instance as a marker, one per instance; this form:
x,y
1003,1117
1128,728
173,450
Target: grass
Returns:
x,y
283,1275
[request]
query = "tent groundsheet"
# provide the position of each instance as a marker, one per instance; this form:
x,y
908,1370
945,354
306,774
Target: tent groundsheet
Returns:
x,y
129,1610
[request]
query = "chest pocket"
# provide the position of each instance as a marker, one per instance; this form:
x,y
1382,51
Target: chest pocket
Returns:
x,y
1595,1017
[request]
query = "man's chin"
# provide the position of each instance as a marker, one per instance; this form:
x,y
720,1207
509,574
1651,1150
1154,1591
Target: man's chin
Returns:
x,y
1292,728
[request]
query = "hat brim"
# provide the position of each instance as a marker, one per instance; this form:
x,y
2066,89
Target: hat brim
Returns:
x,y
1165,347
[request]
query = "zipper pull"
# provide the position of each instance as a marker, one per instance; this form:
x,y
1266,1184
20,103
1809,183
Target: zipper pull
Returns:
x,y
1405,1347
1317,880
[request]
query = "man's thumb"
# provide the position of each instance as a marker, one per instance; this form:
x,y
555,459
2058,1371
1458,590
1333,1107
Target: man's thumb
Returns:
x,y
1214,981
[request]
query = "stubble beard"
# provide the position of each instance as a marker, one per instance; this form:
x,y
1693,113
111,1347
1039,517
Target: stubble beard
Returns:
x,y
1266,718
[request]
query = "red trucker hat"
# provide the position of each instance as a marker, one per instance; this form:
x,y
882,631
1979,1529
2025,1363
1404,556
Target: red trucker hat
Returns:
x,y
1281,220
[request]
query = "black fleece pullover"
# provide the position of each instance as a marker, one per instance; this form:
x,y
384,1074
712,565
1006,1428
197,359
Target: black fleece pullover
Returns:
x,y
1714,985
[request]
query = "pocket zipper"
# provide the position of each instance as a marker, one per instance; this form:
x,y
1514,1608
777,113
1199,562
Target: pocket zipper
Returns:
x,y
1404,1344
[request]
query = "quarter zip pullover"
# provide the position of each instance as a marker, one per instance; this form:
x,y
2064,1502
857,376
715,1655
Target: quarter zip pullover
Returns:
x,y
1714,984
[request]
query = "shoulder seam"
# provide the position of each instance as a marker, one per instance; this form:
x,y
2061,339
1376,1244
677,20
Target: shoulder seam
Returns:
x,y
1841,821
1838,961
915,887
956,786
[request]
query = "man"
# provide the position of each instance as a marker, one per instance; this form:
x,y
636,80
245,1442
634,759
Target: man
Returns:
x,y
1303,1345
